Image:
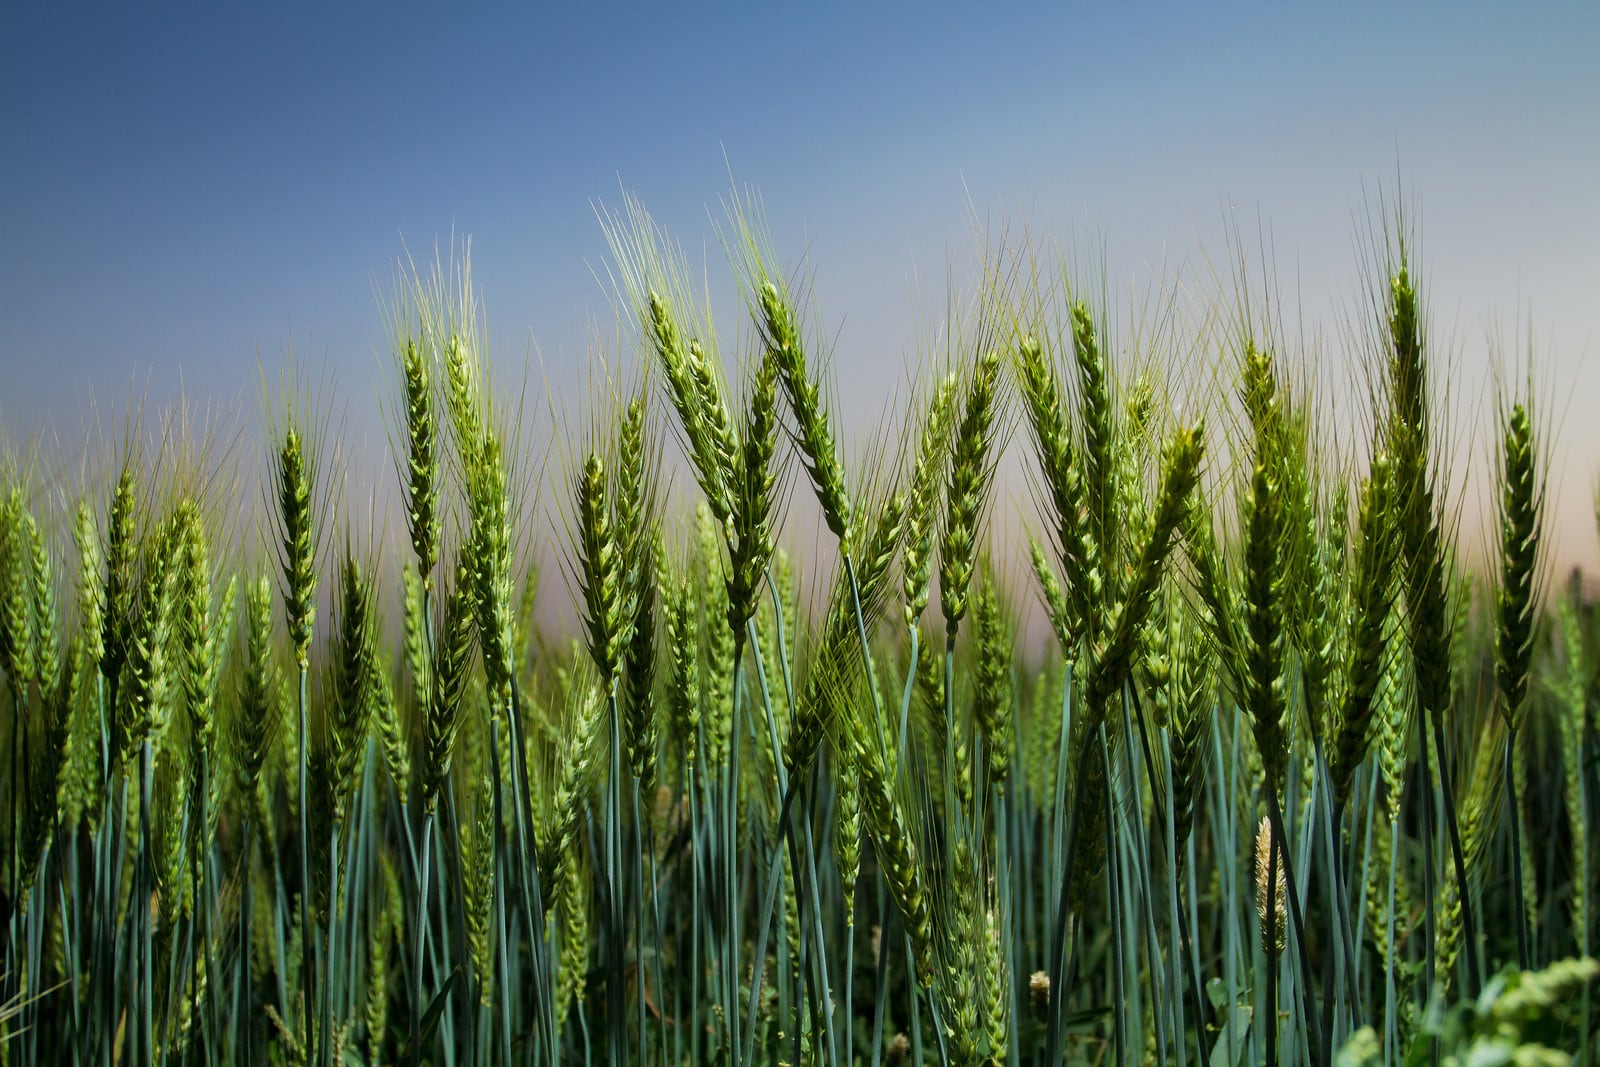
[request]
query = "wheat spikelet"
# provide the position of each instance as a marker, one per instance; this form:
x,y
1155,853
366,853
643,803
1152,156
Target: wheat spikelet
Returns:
x,y
1054,600
838,662
717,666
600,567
488,553
847,829
449,676
992,683
354,678
196,638
1521,507
43,808
1183,701
561,850
782,339
1372,605
1270,884
572,911
1263,683
892,839
1099,433
927,474
964,943
297,541
1180,471
971,470
1477,806
260,690
641,548
995,991
710,453
478,886
146,695
120,581
755,480
17,534
383,927
416,624
39,581
1571,719
422,459
391,729
91,594
683,650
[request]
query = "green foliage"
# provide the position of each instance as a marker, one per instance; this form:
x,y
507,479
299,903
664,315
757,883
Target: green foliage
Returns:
x,y
756,813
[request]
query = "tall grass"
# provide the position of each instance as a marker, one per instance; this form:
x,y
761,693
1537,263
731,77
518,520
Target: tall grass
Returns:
x,y
1285,786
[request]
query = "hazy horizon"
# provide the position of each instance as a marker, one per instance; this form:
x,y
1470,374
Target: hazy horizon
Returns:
x,y
186,194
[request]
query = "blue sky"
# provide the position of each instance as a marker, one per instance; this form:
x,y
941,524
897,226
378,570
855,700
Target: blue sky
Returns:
x,y
185,189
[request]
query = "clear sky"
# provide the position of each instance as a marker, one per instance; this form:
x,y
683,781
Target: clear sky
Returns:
x,y
184,189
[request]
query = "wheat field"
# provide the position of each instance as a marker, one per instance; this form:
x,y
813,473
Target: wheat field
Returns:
x,y
1282,781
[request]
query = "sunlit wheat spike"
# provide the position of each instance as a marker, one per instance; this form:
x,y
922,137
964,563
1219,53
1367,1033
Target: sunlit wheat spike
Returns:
x,y
847,829
489,550
927,476
600,567
91,592
1059,465
385,927
839,658
755,497
1099,431
971,470
147,698
389,723
18,537
992,682
1410,431
120,582
1408,370
964,949
478,885
1192,704
1521,507
450,672
1272,887
1264,681
1180,472
197,637
355,674
782,337
721,439
708,450
639,710
561,852
297,541
683,652
573,913
422,473
897,852
260,688
1372,603
996,989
